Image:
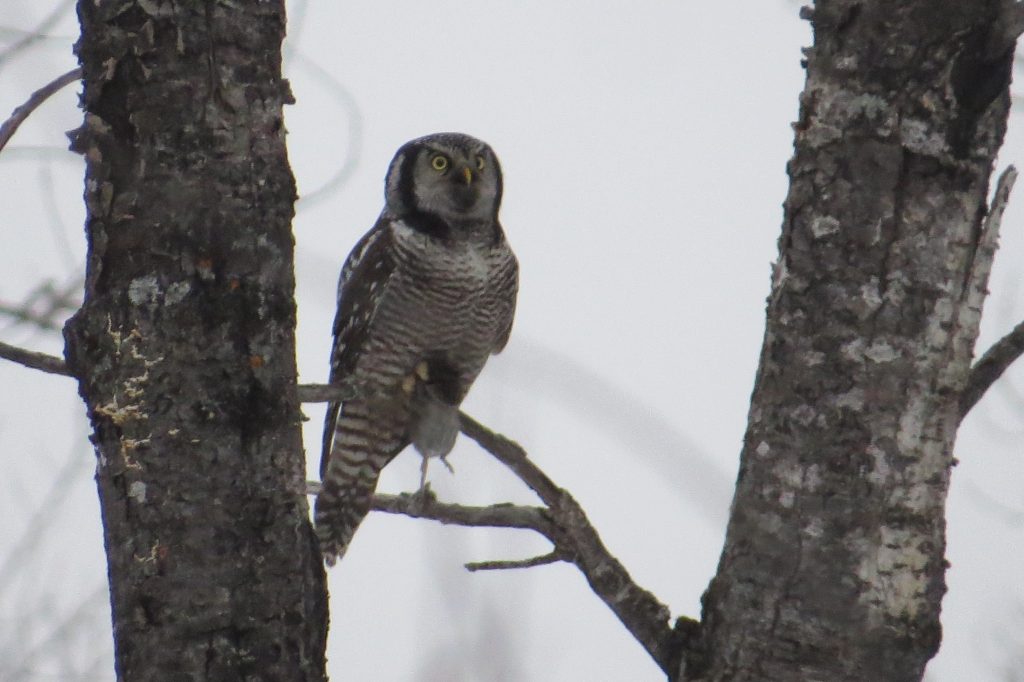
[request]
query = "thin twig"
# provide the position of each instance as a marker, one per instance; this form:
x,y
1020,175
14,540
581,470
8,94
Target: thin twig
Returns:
x,y
50,364
991,366
10,126
322,393
542,560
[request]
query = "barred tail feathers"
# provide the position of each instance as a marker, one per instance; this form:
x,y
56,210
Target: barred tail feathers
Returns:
x,y
363,445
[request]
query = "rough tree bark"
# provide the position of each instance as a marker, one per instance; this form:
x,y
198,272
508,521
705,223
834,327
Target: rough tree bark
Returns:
x,y
833,566
184,347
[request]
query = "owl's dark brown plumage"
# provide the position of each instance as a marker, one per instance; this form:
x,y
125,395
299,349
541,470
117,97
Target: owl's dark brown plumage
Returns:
x,y
425,297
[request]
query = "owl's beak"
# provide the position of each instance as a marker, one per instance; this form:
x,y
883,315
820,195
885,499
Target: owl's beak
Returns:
x,y
468,174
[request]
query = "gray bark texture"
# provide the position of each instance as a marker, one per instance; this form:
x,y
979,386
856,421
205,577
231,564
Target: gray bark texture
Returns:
x,y
833,566
184,348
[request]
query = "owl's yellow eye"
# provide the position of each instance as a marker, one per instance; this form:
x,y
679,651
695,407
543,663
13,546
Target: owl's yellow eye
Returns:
x,y
480,163
439,162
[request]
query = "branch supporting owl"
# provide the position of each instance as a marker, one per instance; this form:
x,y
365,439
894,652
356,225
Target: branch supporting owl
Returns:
x,y
561,521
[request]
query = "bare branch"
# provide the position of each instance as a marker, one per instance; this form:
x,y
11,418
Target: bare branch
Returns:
x,y
41,361
512,455
10,126
995,361
544,559
322,393
646,618
991,366
426,506
563,522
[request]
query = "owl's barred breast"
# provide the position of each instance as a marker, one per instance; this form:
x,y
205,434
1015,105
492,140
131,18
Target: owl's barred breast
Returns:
x,y
442,304
424,298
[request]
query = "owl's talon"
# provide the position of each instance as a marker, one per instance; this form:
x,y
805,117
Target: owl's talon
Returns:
x,y
421,372
422,498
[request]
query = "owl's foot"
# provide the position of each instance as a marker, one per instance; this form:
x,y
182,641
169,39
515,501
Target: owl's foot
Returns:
x,y
421,373
423,469
422,498
447,464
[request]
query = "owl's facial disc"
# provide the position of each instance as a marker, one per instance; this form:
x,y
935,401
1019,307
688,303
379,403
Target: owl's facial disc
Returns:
x,y
451,177
454,183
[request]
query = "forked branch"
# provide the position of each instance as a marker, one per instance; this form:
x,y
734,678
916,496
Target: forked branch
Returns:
x,y
562,521
1004,352
996,360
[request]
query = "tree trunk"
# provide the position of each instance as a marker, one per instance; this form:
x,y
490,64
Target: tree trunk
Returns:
x,y
184,347
833,566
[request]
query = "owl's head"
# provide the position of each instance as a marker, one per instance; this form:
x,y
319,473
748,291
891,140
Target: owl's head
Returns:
x,y
450,177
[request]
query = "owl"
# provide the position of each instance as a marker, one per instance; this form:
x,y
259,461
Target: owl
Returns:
x,y
425,297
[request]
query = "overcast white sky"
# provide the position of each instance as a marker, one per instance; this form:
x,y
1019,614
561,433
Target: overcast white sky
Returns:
x,y
644,148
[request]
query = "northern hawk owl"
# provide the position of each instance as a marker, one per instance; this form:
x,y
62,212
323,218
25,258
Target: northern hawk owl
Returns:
x,y
425,297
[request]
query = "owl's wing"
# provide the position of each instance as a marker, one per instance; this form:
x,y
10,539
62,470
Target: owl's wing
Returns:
x,y
507,290
362,284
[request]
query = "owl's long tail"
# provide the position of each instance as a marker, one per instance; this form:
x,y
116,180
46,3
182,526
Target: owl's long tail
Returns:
x,y
364,442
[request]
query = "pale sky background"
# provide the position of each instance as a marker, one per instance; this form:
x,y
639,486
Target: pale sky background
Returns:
x,y
644,148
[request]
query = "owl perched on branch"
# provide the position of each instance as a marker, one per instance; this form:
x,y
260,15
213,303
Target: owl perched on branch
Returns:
x,y
425,297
